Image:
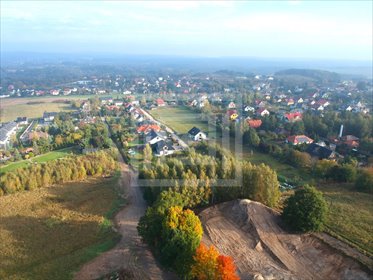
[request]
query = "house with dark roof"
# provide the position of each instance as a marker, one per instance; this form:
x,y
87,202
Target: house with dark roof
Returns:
x,y
22,120
320,152
162,148
6,131
155,136
49,116
196,134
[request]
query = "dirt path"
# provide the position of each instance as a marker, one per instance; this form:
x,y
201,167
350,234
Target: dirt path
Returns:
x,y
130,253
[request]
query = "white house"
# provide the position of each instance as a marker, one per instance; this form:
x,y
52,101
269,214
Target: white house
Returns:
x,y
196,134
6,131
153,137
162,148
249,109
262,112
231,105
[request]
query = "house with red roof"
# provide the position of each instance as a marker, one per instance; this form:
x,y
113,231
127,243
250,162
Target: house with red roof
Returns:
x,y
299,139
146,128
293,117
254,123
160,102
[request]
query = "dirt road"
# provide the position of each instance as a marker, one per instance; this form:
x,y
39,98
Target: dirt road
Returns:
x,y
130,253
250,233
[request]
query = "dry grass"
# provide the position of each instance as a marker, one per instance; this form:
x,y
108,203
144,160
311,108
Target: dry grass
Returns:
x,y
48,233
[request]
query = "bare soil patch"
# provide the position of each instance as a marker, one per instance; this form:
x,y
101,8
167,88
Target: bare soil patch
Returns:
x,y
250,233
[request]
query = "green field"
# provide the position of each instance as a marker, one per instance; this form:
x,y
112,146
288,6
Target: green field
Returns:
x,y
350,212
181,119
350,215
34,107
9,113
49,233
39,159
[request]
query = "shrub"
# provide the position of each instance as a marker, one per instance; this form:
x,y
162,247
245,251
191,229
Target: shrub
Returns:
x,y
306,210
364,181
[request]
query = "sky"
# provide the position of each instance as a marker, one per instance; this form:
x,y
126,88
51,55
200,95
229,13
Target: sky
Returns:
x,y
340,30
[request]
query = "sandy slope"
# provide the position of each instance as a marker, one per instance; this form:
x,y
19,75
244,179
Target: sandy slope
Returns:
x,y
249,232
130,254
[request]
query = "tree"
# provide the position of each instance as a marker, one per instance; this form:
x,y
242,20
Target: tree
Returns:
x,y
205,263
209,265
181,235
148,154
226,268
306,210
251,137
364,181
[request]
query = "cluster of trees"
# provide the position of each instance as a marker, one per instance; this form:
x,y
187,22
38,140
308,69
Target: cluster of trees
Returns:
x,y
209,265
201,177
58,171
346,172
306,210
174,234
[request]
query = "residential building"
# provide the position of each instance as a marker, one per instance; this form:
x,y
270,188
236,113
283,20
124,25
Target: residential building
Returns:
x,y
6,131
196,134
298,140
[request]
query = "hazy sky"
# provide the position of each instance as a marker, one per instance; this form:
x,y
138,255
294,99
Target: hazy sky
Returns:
x,y
278,29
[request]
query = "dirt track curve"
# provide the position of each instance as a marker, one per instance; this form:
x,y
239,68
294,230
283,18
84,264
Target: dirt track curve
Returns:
x,y
130,253
250,233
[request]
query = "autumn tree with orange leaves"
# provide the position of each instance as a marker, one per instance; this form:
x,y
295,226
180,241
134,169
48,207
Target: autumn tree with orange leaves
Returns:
x,y
209,265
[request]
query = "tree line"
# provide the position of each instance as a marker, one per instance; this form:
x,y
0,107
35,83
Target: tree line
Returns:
x,y
200,177
71,168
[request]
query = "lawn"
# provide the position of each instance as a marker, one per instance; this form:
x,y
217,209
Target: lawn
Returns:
x,y
350,215
182,119
49,233
39,159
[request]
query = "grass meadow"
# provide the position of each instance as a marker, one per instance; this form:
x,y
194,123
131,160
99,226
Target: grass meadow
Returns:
x,y
49,233
180,119
34,107
350,215
38,159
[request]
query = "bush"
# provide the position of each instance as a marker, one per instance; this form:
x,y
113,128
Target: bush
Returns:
x,y
364,181
306,210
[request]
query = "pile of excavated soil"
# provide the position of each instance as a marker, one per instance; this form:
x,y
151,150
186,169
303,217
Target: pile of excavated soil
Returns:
x,y
250,233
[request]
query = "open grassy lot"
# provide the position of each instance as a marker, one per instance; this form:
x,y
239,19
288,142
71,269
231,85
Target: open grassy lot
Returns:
x,y
350,215
39,159
181,119
49,233
35,110
34,107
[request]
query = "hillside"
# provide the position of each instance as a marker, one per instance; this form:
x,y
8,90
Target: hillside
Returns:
x,y
308,74
250,232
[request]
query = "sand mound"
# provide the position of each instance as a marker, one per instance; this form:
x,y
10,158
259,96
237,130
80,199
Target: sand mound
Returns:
x,y
250,233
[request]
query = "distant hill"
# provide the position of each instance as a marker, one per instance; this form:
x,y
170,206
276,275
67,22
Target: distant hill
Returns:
x,y
317,75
